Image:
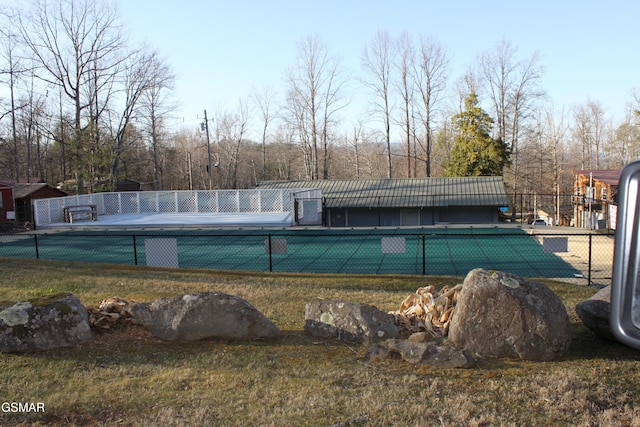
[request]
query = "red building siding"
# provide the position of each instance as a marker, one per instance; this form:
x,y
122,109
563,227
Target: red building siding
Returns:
x,y
7,209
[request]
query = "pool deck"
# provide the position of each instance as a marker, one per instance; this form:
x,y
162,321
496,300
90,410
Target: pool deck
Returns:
x,y
182,220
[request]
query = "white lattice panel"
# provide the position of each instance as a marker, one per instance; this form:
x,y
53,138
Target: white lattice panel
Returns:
x,y
228,201
186,201
148,202
207,201
48,211
167,201
249,201
271,200
41,211
56,210
111,203
84,199
129,203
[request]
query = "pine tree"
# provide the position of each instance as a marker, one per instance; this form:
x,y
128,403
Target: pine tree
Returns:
x,y
475,152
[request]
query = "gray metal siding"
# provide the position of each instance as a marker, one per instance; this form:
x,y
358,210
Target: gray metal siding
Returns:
x,y
363,218
405,193
381,202
468,215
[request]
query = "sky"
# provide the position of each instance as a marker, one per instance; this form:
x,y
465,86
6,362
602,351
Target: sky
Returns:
x,y
221,51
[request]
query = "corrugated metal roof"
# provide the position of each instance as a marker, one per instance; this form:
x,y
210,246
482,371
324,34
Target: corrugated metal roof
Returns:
x,y
23,190
405,192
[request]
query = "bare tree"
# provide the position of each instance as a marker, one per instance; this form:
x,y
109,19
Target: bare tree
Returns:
x,y
77,46
285,155
30,121
264,100
10,72
378,61
513,88
635,103
156,107
589,131
332,103
303,99
353,145
404,84
582,133
556,130
297,122
232,129
623,142
139,76
313,98
465,85
430,77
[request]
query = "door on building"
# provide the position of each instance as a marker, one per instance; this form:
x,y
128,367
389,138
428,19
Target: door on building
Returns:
x,y
410,217
338,218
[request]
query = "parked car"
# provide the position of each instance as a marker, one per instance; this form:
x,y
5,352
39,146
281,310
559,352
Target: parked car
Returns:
x,y
538,222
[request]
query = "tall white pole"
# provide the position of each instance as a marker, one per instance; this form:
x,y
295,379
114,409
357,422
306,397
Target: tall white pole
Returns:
x,y
206,128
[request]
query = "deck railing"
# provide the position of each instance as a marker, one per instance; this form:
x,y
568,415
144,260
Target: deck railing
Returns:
x,y
50,211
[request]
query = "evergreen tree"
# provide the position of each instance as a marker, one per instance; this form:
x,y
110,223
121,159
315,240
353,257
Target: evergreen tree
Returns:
x,y
475,152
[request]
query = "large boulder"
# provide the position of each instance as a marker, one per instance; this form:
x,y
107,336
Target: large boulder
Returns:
x,y
595,312
349,321
203,315
45,323
499,314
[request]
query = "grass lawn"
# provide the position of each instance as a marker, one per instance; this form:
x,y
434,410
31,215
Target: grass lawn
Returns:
x,y
127,377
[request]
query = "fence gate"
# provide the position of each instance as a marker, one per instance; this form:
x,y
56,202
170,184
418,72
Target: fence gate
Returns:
x,y
308,207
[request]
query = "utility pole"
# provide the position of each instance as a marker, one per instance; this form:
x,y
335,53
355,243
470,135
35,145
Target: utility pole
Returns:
x,y
189,170
206,128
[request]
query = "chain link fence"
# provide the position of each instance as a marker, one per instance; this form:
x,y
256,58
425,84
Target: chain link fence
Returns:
x,y
575,258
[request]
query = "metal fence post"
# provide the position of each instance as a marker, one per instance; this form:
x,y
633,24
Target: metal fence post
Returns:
x,y
135,250
590,252
270,256
35,242
424,258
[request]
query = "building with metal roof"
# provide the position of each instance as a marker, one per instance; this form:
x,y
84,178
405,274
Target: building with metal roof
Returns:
x,y
24,193
406,202
596,198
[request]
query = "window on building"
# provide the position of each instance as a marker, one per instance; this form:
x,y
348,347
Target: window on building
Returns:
x,y
604,193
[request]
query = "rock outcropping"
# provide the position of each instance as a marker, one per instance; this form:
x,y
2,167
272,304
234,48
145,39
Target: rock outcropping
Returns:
x,y
45,323
422,352
203,315
349,321
499,314
595,313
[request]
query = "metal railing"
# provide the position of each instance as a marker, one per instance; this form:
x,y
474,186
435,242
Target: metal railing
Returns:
x,y
576,258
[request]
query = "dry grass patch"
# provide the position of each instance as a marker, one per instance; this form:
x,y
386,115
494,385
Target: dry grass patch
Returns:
x,y
127,377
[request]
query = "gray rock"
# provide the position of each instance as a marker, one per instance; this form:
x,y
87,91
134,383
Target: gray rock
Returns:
x,y
349,321
45,323
595,311
203,315
425,336
427,353
499,314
